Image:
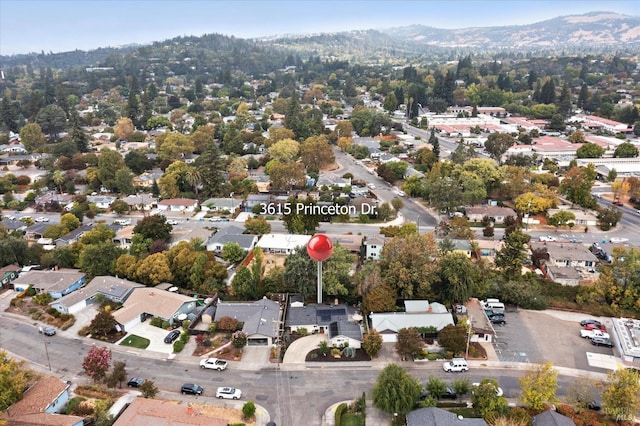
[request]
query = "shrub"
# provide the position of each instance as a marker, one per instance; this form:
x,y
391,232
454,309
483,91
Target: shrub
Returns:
x,y
335,352
249,410
32,311
340,410
165,325
42,299
156,322
178,346
239,339
53,312
184,338
84,331
68,323
228,324
186,324
206,343
303,331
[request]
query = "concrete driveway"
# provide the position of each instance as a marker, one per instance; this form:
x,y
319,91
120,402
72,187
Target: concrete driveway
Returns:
x,y
298,350
154,334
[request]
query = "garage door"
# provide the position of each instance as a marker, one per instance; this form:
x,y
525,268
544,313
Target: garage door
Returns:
x,y
258,342
389,338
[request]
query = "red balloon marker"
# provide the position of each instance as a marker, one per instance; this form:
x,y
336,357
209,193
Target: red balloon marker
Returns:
x,y
320,247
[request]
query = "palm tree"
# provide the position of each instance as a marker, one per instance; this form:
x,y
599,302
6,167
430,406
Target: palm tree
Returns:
x,y
193,177
59,177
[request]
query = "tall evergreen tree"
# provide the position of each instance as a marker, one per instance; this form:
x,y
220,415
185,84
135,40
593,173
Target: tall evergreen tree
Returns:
x,y
8,114
548,92
583,97
210,166
435,143
292,116
564,101
78,136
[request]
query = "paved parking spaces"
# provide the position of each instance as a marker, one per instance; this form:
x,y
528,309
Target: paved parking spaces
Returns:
x,y
515,342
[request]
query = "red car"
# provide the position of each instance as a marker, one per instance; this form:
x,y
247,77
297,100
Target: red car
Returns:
x,y
594,327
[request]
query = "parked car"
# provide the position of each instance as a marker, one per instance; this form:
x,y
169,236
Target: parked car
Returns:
x,y
171,222
122,222
456,365
549,238
449,393
592,326
371,186
497,319
601,341
590,334
135,382
228,393
48,331
618,240
172,336
191,389
42,219
213,364
215,219
590,321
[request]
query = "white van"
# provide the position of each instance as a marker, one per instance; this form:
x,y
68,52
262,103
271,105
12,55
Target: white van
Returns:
x,y
496,307
484,303
456,365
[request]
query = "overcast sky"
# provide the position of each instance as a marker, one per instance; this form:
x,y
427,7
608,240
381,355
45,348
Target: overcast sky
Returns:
x,y
59,26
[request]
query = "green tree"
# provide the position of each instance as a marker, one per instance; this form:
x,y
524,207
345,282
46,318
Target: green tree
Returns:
x,y
99,259
52,120
486,401
459,278
316,153
77,134
14,379
577,184
372,343
435,143
390,102
118,374
513,254
97,362
232,252
301,273
154,269
562,218
336,272
109,162
395,391
154,227
453,338
590,150
299,221
624,150
497,144
621,397
436,387
538,386
257,226
32,137
119,207
408,343
242,283
211,166
149,389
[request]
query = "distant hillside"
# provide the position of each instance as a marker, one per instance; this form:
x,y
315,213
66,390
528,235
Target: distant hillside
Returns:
x,y
597,29
598,32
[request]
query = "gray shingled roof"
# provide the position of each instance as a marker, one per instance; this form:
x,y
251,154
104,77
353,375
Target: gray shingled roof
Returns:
x,y
259,317
321,315
345,328
552,418
432,416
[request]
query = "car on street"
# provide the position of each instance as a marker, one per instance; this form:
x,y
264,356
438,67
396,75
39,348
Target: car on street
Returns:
x,y
228,393
171,222
42,219
172,336
547,238
371,186
135,382
618,240
601,341
191,389
48,331
122,222
497,319
215,219
456,365
213,364
590,321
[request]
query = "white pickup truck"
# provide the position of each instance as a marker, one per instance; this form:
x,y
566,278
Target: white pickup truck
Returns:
x,y
590,334
213,364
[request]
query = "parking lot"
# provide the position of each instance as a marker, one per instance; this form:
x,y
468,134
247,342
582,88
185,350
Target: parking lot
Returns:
x,y
541,336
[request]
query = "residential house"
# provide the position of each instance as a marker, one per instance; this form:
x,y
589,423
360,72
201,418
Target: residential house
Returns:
x,y
124,236
256,200
332,179
14,225
351,242
566,254
222,204
145,302
433,416
462,247
52,201
373,248
56,283
231,234
112,288
551,418
345,333
40,405
417,314
263,183
259,319
495,213
159,412
141,201
563,275
8,274
582,218
101,201
13,148
73,236
488,248
319,319
36,231
146,179
178,205
282,243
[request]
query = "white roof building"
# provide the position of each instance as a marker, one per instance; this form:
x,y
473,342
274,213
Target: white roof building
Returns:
x,y
282,243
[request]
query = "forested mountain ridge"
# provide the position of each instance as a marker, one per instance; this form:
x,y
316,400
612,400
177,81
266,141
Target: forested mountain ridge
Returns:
x,y
597,32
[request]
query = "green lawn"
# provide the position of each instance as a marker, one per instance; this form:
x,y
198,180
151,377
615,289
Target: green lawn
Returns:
x,y
351,419
135,342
